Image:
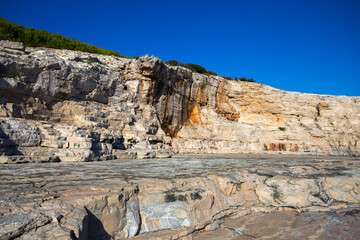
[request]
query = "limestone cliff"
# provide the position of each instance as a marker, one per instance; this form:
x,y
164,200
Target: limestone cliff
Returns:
x,y
61,105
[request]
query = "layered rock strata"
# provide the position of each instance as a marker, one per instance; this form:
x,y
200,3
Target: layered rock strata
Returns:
x,y
60,105
339,224
66,106
182,198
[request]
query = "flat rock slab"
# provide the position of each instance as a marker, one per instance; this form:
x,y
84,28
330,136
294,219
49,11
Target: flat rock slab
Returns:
x,y
342,224
180,196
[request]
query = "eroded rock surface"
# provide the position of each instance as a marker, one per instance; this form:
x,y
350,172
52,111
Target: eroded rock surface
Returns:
x,y
339,224
183,197
60,105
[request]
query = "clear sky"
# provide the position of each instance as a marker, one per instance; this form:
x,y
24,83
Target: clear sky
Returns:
x,y
310,46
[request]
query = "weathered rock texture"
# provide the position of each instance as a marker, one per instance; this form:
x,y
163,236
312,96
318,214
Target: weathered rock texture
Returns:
x,y
229,116
60,105
183,197
340,224
70,106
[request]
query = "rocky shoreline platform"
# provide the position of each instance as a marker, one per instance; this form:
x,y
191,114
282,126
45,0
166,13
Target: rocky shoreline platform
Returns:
x,y
184,197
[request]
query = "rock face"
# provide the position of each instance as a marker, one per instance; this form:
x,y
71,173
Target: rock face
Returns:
x,y
185,197
60,105
67,106
249,117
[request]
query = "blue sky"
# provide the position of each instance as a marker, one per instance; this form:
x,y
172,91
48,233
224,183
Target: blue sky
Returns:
x,y
310,46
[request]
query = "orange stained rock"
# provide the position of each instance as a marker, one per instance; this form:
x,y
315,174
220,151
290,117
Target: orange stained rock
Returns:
x,y
294,148
280,119
212,200
195,116
276,147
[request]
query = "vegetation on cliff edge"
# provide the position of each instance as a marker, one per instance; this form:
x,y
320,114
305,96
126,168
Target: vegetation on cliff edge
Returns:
x,y
41,38
199,69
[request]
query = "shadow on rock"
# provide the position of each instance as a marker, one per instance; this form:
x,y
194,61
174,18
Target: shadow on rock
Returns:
x,y
7,146
96,229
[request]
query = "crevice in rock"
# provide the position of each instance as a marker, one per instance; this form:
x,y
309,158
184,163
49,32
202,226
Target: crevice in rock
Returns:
x,y
96,230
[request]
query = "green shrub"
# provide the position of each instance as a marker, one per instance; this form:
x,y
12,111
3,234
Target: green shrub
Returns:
x,y
244,79
191,66
212,73
172,63
282,129
228,78
41,38
195,68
